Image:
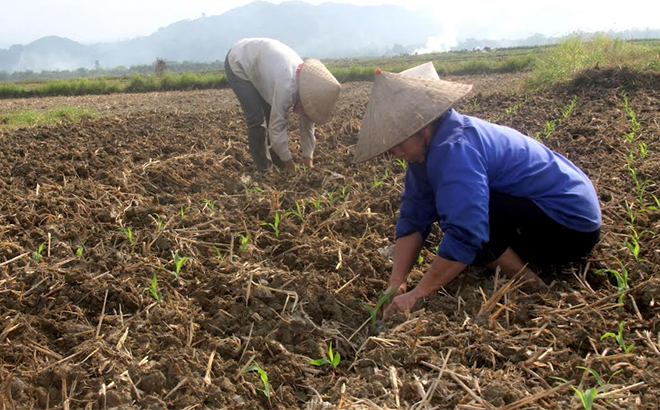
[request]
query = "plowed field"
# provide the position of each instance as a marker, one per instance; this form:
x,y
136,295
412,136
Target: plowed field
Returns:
x,y
91,213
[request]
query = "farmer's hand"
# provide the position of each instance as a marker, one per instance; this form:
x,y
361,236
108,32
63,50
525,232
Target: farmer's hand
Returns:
x,y
309,163
290,165
401,303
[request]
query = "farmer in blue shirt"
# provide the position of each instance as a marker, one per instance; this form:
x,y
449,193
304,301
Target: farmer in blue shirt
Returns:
x,y
500,197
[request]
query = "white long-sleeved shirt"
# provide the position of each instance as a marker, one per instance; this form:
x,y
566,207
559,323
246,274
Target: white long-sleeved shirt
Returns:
x,y
271,67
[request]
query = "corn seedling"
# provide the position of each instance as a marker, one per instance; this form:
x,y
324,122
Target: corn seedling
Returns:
x,y
333,359
566,111
619,339
298,212
153,289
36,255
655,207
159,221
183,210
474,103
79,250
402,163
598,377
373,311
210,204
621,278
264,379
129,234
244,242
420,259
255,188
587,397
275,224
643,150
344,191
332,197
632,243
631,213
377,182
317,203
636,126
219,254
178,264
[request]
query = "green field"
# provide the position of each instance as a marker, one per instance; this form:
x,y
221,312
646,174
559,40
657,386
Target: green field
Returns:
x,y
547,65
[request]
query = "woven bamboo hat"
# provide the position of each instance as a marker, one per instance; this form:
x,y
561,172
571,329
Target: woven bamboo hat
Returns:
x,y
426,70
318,90
400,105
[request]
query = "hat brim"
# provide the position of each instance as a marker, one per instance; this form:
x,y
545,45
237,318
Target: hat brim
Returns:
x,y
401,106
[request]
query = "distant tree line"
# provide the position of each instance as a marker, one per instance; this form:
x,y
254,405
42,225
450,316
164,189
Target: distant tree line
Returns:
x,y
98,71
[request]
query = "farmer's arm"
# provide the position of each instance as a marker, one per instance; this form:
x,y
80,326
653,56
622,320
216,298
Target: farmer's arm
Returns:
x,y
416,215
307,139
405,254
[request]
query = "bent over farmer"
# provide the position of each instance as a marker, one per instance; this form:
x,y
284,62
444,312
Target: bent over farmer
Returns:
x,y
501,198
269,78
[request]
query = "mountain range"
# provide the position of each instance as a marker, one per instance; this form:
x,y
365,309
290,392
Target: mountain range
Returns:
x,y
329,30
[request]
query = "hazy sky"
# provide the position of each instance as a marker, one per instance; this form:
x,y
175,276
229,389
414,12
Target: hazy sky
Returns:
x,y
88,21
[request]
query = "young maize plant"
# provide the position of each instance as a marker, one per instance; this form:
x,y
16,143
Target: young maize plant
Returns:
x,y
129,234
178,264
275,224
264,379
619,339
153,289
245,239
373,311
333,359
298,212
36,255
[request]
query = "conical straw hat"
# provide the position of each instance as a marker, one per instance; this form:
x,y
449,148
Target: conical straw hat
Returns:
x,y
400,106
318,90
426,70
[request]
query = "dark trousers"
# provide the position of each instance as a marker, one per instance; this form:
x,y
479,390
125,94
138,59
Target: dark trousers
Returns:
x,y
257,115
520,224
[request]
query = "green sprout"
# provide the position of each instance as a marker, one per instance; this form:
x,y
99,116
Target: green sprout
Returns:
x,y
79,250
344,191
298,212
183,210
402,163
317,203
377,182
244,242
159,221
621,278
566,111
332,197
36,255
153,289
655,207
255,188
373,311
643,150
588,397
129,234
178,263
619,339
275,224
420,259
264,379
333,359
219,254
210,204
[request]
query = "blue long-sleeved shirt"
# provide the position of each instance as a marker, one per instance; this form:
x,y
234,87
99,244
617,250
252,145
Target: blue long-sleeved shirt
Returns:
x,y
466,160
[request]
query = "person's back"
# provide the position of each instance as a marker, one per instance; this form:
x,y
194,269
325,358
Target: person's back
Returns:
x,y
268,64
518,165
